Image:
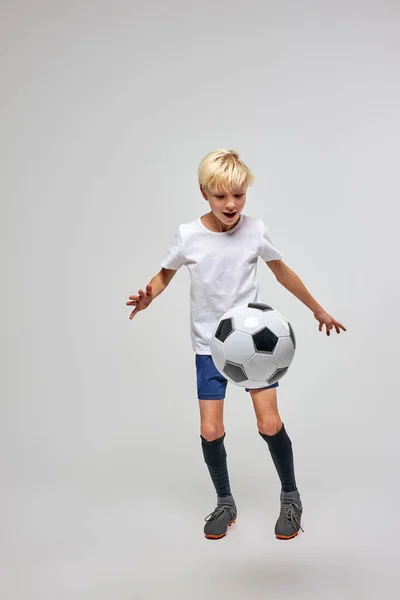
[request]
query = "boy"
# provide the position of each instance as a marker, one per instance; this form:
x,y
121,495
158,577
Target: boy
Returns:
x,y
221,251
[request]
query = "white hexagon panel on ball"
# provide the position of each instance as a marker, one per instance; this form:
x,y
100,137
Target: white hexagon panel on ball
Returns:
x,y
283,352
259,368
218,354
276,323
239,347
248,320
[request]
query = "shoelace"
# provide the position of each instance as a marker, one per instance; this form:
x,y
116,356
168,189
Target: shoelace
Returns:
x,y
290,515
218,512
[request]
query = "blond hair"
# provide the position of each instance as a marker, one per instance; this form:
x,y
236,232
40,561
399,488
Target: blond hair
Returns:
x,y
223,170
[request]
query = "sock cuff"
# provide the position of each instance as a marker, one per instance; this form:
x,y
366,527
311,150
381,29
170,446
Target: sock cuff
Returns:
x,y
269,437
221,500
219,440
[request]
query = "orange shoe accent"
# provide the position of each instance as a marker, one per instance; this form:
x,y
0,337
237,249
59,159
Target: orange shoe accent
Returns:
x,y
286,537
214,537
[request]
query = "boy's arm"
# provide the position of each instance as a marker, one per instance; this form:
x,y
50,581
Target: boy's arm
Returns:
x,y
161,280
293,283
153,289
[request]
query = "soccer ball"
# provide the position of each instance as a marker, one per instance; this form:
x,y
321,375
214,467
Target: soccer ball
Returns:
x,y
253,345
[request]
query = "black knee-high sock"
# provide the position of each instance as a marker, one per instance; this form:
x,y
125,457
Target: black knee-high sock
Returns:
x,y
280,447
215,457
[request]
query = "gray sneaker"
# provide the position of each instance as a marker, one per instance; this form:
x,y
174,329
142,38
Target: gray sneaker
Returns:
x,y
288,523
217,522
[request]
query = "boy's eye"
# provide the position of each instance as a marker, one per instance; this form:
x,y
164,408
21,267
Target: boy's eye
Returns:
x,y
239,195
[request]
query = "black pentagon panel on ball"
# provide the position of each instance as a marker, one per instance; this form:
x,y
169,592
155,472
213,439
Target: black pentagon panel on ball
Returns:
x,y
292,336
279,373
265,341
225,328
235,372
259,305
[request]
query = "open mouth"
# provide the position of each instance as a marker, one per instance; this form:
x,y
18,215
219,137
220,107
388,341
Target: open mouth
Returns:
x,y
230,215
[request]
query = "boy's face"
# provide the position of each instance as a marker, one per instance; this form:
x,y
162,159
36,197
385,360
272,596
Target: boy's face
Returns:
x,y
226,205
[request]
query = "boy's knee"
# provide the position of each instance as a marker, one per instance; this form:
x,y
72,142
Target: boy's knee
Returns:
x,y
270,426
211,432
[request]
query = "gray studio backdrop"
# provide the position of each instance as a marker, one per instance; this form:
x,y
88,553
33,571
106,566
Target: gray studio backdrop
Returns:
x,y
107,109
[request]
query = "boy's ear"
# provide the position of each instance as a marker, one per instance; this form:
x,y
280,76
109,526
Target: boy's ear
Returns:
x,y
203,193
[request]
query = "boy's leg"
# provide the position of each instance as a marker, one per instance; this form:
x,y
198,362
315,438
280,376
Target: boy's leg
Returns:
x,y
212,435
273,431
211,388
212,441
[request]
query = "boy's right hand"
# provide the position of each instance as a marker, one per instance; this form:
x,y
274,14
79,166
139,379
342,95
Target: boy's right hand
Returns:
x,y
142,301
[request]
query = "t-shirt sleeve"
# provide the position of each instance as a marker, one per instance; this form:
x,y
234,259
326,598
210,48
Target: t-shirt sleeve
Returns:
x,y
174,258
267,249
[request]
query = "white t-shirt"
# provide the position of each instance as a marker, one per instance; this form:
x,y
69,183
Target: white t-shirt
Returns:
x,y
223,270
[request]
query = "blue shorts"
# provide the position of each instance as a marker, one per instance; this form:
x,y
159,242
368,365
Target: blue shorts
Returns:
x,y
211,385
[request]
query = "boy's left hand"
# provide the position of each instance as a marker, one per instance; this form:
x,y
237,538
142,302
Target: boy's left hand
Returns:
x,y
330,323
